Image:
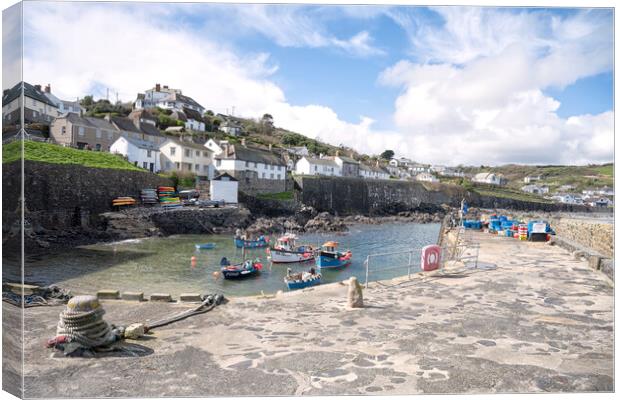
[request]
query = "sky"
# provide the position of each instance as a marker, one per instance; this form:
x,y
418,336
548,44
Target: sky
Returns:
x,y
442,85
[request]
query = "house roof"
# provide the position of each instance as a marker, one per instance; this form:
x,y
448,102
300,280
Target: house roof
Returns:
x,y
175,129
149,129
321,161
192,114
185,99
124,124
225,175
348,160
484,175
90,122
243,153
180,115
142,144
29,91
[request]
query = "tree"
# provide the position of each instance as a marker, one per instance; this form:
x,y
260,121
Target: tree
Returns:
x,y
387,155
87,101
266,123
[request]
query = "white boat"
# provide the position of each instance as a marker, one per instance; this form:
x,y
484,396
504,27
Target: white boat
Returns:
x,y
286,251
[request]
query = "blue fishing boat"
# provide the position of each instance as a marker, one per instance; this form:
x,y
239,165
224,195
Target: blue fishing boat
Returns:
x,y
329,256
302,280
204,246
241,270
251,244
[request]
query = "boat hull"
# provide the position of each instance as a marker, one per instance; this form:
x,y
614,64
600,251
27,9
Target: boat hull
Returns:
x,y
330,260
283,256
205,246
250,244
292,285
237,271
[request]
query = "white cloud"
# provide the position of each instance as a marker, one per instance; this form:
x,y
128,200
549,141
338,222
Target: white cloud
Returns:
x,y
482,99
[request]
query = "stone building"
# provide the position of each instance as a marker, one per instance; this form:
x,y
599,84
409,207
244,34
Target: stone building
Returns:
x,y
83,132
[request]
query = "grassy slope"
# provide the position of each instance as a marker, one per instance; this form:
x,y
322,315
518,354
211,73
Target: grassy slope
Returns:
x,y
54,154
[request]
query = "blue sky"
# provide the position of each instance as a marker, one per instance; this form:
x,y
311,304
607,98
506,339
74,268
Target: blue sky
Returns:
x,y
444,85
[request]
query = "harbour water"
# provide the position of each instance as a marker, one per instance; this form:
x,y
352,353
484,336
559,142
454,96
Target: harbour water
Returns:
x,y
155,265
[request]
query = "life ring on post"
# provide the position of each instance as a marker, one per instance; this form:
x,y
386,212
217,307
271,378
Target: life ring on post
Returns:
x,y
431,257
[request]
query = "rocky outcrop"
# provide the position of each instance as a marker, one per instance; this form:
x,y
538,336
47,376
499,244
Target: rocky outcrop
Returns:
x,y
325,222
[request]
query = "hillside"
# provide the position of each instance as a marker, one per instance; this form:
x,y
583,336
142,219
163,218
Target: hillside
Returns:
x,y
54,154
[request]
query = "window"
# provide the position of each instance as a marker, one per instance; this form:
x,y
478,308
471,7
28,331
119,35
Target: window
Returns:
x,y
316,167
271,176
98,133
279,176
205,168
197,168
148,153
197,153
98,147
264,175
247,164
188,153
204,154
218,163
81,131
145,165
109,135
173,151
177,165
271,167
63,130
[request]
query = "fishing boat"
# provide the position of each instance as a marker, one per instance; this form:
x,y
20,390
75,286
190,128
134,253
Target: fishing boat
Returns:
x,y
241,270
329,256
204,246
251,244
302,279
286,251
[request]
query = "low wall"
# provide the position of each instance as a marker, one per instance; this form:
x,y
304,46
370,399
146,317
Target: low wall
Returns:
x,y
59,196
589,233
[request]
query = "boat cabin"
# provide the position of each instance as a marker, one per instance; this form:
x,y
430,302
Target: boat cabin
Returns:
x,y
286,242
330,247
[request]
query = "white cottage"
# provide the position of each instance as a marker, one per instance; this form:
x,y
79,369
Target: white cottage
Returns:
x,y
142,153
489,178
317,166
224,188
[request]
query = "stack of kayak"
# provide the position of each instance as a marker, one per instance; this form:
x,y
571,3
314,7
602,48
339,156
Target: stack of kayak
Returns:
x,y
149,196
168,197
123,201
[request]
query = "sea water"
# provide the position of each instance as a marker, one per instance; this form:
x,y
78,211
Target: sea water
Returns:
x,y
155,265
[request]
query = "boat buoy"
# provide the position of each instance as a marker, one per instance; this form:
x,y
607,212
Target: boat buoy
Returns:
x,y
216,275
193,261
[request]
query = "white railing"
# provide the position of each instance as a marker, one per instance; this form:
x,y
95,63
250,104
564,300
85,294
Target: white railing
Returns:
x,y
463,250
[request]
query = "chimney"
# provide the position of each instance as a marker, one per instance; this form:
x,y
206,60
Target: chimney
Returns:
x,y
107,117
48,88
321,155
165,86
337,153
351,154
38,87
377,163
157,87
243,142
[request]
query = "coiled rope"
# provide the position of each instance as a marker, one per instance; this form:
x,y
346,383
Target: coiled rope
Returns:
x,y
82,322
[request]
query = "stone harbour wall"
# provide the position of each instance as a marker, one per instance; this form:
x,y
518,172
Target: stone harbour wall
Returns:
x,y
590,233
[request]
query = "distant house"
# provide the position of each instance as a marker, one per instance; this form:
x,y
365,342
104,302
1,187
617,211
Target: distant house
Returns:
x,y
215,147
535,189
601,202
136,129
415,168
452,172
530,179
300,151
348,166
568,198
438,169
38,108
257,170
489,178
64,106
566,188
142,153
606,191
231,128
426,177
224,188
373,172
180,155
84,132
400,162
317,166
194,121
167,98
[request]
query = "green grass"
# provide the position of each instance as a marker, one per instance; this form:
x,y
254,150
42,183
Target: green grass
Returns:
x,y
509,194
276,196
54,154
607,169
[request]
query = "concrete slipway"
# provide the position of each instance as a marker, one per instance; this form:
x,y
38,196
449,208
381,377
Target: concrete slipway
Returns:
x,y
540,322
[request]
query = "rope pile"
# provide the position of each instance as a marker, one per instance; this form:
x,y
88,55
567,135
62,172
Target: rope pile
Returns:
x,y
47,296
81,322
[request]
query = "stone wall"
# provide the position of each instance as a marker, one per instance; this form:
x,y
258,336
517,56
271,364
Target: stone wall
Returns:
x,y
594,234
371,196
250,183
59,196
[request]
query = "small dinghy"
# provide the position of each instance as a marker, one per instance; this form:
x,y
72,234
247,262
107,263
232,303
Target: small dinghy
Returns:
x,y
286,251
330,257
302,279
205,246
242,270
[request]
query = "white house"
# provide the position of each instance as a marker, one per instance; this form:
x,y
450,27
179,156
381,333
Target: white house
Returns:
x,y
601,202
317,166
177,155
400,162
530,179
452,172
568,199
373,172
535,189
215,147
241,161
606,191
231,128
37,106
142,153
426,177
224,188
415,169
489,178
